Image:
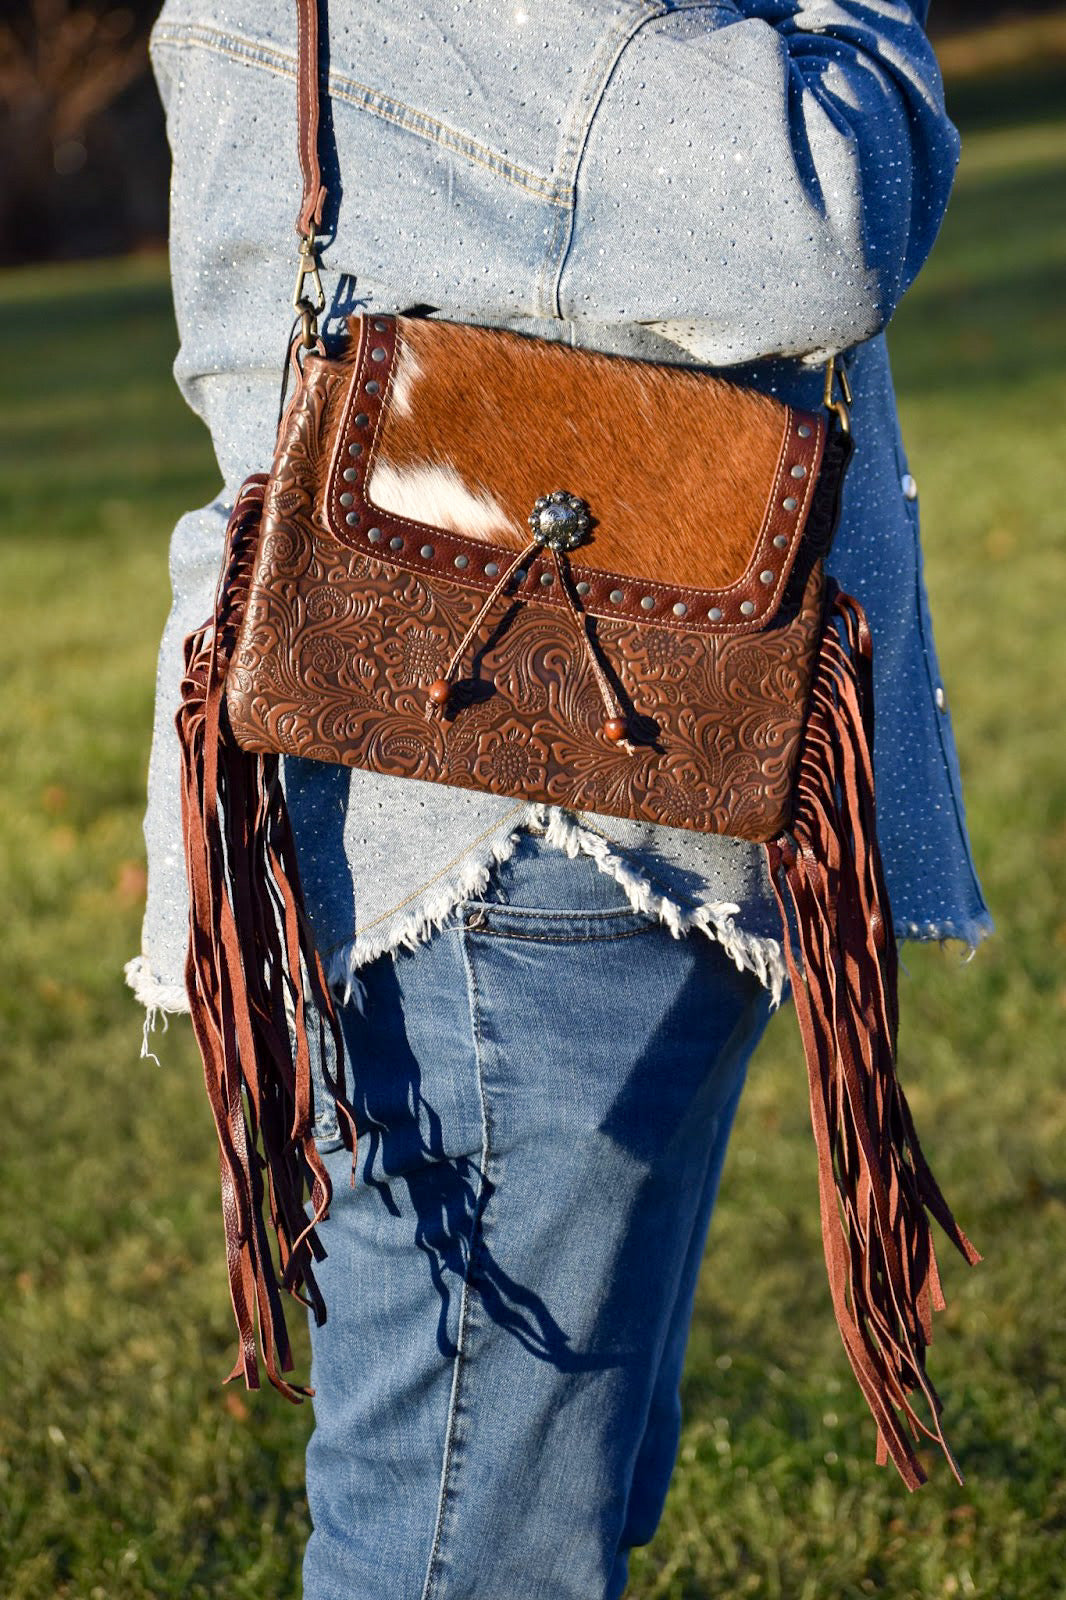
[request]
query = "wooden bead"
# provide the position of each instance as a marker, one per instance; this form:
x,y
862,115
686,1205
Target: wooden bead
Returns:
x,y
439,691
616,729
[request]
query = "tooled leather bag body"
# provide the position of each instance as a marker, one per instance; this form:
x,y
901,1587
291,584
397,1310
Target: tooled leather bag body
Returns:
x,y
700,583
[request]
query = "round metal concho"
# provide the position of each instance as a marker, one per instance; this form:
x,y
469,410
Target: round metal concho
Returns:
x,y
559,520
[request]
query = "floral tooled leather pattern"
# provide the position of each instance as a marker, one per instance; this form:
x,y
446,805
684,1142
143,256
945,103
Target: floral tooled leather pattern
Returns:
x,y
337,650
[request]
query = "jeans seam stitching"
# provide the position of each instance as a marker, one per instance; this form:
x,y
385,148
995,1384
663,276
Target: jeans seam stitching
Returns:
x,y
566,938
363,97
603,66
431,1585
560,914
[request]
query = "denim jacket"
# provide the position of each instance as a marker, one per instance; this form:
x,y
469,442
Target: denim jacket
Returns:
x,y
741,184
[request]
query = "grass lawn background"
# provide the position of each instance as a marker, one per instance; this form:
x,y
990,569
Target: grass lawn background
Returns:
x,y
126,1470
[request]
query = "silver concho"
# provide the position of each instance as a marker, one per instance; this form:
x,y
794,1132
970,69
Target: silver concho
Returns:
x,y
559,520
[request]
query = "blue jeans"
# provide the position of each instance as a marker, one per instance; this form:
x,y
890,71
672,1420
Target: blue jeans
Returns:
x,y
544,1093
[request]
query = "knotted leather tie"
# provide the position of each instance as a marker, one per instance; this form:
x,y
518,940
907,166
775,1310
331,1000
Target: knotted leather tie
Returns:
x,y
616,723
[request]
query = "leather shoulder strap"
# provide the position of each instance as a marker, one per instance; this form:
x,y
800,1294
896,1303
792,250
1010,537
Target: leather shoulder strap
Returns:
x,y
307,110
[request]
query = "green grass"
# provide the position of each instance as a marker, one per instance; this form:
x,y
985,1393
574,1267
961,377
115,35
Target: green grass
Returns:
x,y
126,1471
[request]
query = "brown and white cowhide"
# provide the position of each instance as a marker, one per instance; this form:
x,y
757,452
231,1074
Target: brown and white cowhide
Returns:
x,y
676,466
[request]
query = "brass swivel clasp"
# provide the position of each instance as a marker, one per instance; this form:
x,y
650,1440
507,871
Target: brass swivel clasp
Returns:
x,y
835,374
309,306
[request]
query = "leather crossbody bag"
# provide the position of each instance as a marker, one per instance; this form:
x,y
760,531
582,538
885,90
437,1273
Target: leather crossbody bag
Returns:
x,y
485,559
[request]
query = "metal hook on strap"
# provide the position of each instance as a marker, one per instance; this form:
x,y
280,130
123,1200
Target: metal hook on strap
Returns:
x,y
309,307
835,374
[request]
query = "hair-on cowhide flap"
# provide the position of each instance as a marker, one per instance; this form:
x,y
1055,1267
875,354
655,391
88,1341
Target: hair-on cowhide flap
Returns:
x,y
697,491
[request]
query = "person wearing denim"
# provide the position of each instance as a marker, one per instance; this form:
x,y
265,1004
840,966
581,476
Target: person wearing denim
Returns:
x,y
545,1067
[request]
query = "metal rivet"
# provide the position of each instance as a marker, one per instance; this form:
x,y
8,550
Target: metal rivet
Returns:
x,y
681,609
427,552
804,430
747,607
461,562
350,474
374,535
381,327
799,471
941,698
583,587
396,543
714,614
347,499
780,541
477,919
546,579
352,519
355,449
520,575
616,597
648,603
361,421
767,576
373,387
491,569
790,502
909,487
378,353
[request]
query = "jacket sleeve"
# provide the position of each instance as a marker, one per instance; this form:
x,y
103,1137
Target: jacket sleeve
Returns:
x,y
776,169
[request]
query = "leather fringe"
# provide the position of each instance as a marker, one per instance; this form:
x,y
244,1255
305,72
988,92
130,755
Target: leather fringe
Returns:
x,y
875,1186
255,984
